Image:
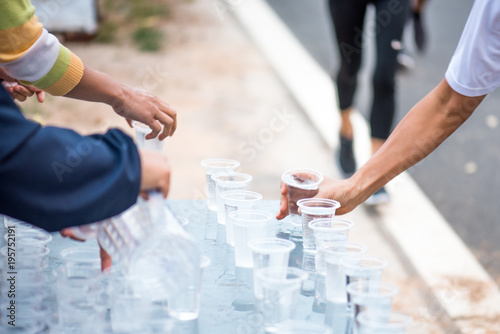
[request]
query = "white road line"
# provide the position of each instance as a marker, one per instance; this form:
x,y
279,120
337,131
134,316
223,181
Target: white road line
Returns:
x,y
435,250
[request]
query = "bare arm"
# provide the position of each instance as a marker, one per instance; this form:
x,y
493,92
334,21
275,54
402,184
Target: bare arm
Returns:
x,y
131,103
424,128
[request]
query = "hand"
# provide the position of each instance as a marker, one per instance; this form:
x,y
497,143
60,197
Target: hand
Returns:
x,y
21,93
105,257
155,171
339,190
18,91
145,107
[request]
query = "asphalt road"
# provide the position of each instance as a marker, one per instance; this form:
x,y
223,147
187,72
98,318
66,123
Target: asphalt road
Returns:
x,y
461,177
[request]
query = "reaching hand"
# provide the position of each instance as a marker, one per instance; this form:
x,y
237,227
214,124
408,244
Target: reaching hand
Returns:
x,y
105,257
145,107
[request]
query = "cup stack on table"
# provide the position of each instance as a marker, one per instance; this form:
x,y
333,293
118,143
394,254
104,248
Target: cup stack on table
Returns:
x,y
24,284
346,279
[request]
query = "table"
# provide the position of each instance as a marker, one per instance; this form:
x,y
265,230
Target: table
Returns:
x,y
227,301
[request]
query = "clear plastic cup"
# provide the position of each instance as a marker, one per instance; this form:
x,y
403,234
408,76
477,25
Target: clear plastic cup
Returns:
x,y
373,322
367,296
281,291
214,166
301,183
129,312
224,182
80,260
248,225
302,327
328,231
269,252
80,297
186,304
141,130
314,208
335,276
25,256
363,268
235,200
35,237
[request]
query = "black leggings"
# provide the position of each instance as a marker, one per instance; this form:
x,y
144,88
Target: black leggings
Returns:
x,y
348,19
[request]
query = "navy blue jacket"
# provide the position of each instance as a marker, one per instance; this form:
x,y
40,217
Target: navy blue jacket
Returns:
x,y
55,178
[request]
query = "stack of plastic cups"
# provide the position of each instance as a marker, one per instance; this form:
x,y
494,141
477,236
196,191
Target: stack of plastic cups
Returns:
x,y
24,285
225,182
81,299
212,167
375,322
235,200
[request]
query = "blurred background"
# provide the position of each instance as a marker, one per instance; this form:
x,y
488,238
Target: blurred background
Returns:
x,y
194,55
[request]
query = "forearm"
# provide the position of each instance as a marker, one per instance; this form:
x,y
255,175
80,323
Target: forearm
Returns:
x,y
96,86
424,128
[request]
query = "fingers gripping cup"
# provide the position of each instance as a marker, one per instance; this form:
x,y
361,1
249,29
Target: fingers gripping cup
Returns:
x,y
214,166
141,131
301,183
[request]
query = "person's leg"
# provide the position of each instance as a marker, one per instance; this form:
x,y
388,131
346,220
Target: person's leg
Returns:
x,y
390,17
348,18
390,20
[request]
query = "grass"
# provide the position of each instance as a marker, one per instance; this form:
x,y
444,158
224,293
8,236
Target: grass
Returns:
x,y
135,19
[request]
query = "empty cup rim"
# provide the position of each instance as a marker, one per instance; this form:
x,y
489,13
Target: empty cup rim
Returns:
x,y
141,127
257,245
44,251
245,179
343,224
401,320
226,195
328,249
67,252
344,261
378,289
305,170
326,205
45,236
220,163
264,216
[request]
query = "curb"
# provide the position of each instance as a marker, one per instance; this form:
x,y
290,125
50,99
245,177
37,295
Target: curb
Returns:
x,y
435,251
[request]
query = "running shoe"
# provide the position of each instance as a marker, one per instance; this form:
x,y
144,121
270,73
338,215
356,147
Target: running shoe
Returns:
x,y
346,158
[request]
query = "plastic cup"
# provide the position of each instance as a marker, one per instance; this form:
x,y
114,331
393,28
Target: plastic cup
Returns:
x,y
141,130
328,231
373,322
79,297
214,166
314,208
224,182
81,261
302,327
25,256
248,225
281,291
269,252
335,276
301,183
363,268
366,296
36,237
235,200
186,304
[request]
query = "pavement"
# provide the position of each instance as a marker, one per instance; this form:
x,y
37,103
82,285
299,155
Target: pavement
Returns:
x,y
245,89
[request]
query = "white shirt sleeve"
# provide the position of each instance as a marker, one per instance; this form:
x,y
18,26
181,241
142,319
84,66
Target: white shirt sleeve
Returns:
x,y
474,69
